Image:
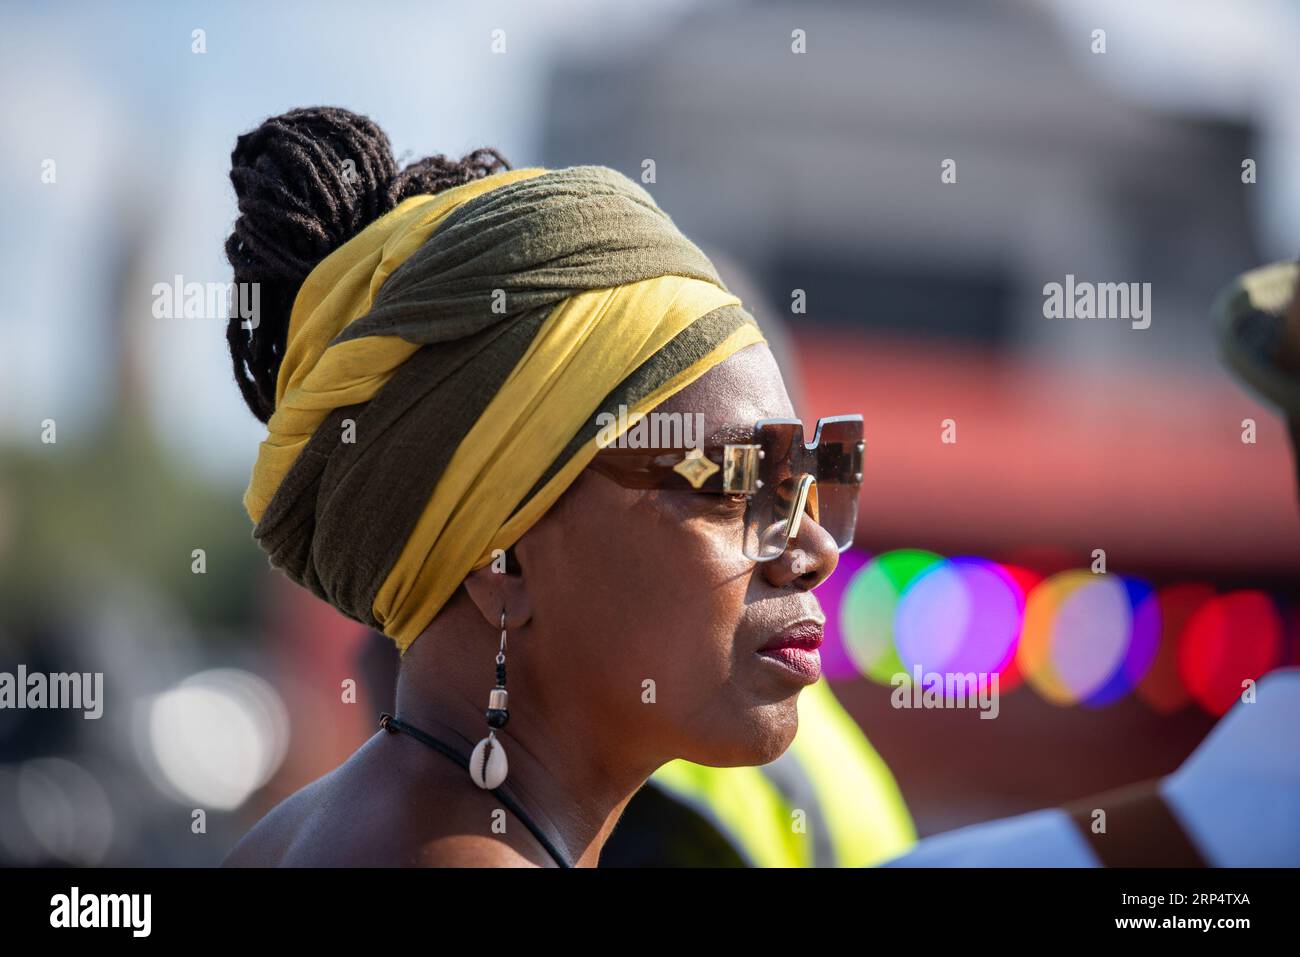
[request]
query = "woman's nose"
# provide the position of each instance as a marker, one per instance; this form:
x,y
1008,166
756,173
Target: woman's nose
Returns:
x,y
808,559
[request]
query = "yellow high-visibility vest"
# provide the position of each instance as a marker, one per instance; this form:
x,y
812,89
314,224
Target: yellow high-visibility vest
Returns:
x,y
829,801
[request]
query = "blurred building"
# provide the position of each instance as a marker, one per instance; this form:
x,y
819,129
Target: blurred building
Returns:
x,y
821,171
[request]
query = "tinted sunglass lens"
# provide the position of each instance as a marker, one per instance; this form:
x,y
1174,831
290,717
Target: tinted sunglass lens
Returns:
x,y
839,478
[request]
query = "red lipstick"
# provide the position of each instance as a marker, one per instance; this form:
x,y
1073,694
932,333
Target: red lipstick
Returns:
x,y
795,651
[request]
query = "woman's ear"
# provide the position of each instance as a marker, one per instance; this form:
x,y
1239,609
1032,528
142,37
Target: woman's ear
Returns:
x,y
500,585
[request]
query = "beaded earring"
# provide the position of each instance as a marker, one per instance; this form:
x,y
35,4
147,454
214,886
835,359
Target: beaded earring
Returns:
x,y
487,765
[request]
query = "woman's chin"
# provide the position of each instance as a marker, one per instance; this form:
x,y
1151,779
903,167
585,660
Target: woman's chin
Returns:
x,y
765,735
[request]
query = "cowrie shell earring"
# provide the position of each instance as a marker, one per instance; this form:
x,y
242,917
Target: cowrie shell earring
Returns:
x,y
487,764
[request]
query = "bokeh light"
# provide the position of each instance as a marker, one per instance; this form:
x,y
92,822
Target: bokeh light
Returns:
x,y
959,615
1230,639
868,609
56,811
215,738
1141,643
837,665
1076,637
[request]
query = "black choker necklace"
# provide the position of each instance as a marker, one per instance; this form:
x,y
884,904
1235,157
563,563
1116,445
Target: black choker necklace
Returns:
x,y
392,724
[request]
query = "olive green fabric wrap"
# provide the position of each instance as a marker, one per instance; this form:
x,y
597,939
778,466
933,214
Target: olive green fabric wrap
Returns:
x,y
539,241
343,512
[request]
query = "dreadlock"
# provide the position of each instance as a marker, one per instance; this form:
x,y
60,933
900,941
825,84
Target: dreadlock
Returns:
x,y
307,181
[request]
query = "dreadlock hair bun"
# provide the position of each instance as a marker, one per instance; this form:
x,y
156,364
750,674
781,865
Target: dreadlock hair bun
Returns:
x,y
307,181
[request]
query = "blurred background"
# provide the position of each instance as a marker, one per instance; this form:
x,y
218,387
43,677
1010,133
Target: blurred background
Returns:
x,y
227,688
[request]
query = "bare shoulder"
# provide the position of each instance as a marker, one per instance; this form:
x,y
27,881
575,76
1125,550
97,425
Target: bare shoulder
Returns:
x,y
271,837
338,820
369,812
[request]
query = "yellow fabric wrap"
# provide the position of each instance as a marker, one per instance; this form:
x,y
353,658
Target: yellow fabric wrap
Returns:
x,y
315,377
587,345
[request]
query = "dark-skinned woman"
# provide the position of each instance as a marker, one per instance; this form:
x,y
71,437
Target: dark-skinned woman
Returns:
x,y
517,423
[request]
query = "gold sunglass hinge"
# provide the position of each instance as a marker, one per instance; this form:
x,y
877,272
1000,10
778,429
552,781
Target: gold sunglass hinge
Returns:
x,y
740,468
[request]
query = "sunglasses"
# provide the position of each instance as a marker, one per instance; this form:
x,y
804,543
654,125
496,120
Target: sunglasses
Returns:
x,y
782,478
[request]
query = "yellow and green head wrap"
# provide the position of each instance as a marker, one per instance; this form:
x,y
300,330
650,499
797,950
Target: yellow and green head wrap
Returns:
x,y
444,371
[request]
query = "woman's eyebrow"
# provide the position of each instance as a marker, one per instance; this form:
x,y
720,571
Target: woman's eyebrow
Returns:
x,y
732,435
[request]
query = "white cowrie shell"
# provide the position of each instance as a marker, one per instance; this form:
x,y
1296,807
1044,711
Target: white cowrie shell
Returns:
x,y
487,765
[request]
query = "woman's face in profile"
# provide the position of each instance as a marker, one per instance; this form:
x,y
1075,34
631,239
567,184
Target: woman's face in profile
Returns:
x,y
644,601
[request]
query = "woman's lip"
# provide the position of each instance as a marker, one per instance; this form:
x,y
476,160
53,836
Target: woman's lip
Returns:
x,y
805,664
806,635
795,650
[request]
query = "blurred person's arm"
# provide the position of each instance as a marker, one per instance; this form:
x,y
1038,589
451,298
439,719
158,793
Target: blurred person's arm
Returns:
x,y
1235,802
1289,360
1257,322
1289,344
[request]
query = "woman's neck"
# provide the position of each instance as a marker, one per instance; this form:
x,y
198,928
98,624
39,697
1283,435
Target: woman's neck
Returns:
x,y
567,773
